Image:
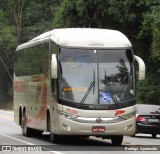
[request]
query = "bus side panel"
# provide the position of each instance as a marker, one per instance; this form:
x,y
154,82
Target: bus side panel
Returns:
x,y
31,95
32,86
20,89
38,100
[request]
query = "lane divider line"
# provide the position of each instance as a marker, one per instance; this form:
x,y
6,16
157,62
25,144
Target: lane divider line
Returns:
x,y
17,139
56,152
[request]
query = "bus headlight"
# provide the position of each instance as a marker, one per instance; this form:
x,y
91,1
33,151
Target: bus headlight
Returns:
x,y
128,116
66,115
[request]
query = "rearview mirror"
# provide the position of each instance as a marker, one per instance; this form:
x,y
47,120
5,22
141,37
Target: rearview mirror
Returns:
x,y
54,66
142,68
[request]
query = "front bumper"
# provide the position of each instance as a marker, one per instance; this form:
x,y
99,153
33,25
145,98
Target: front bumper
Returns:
x,y
70,127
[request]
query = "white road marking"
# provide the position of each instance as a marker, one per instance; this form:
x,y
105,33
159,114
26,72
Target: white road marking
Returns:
x,y
56,152
10,117
17,139
29,143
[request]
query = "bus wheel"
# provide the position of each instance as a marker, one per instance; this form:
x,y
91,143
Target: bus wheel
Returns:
x,y
154,135
37,133
54,138
25,130
117,140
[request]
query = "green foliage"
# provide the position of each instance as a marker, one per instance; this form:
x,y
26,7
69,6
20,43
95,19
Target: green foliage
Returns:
x,y
7,47
37,18
20,20
156,32
80,13
148,91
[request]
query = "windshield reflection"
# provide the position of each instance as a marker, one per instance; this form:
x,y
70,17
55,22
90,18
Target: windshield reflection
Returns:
x,y
108,73
116,85
121,77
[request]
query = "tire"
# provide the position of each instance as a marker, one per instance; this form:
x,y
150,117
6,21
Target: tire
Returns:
x,y
25,130
117,140
37,133
53,137
133,135
85,136
48,123
154,135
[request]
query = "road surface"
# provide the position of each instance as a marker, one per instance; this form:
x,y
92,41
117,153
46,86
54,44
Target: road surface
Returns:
x,y
12,141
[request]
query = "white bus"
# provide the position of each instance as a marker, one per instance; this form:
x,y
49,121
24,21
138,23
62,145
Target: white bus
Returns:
x,y
76,82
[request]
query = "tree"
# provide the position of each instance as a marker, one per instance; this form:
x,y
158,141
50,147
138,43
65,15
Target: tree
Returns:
x,y
20,20
149,90
14,10
8,41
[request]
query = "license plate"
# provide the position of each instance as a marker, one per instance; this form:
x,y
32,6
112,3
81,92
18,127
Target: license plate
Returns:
x,y
98,129
153,120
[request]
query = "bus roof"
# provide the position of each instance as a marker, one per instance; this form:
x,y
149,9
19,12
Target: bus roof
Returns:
x,y
82,37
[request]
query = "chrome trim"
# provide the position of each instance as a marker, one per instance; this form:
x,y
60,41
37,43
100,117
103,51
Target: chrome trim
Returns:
x,y
93,120
90,120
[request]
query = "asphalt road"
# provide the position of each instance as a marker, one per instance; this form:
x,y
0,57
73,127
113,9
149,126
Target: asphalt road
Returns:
x,y
12,141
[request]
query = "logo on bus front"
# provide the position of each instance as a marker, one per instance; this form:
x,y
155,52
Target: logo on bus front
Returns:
x,y
98,120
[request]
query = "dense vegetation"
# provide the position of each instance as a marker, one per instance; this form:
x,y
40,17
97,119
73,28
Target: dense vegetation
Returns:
x,y
21,20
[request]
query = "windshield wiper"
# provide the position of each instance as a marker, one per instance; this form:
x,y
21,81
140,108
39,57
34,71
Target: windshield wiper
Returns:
x,y
115,99
92,85
94,81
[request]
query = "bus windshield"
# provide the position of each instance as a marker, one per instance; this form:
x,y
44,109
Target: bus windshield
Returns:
x,y
96,76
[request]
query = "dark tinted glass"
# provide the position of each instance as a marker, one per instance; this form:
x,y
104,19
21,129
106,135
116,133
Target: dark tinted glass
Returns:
x,y
33,60
116,55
